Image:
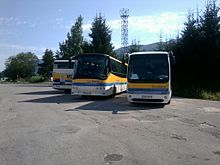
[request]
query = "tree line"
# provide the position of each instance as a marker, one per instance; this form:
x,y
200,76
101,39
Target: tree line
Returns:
x,y
197,49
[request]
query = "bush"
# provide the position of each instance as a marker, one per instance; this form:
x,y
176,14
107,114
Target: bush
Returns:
x,y
36,79
20,80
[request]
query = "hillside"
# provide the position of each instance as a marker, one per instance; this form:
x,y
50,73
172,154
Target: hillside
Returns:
x,y
149,47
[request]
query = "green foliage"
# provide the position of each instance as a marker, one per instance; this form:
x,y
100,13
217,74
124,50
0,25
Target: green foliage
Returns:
x,y
72,46
87,47
210,31
101,36
22,65
46,67
197,50
36,79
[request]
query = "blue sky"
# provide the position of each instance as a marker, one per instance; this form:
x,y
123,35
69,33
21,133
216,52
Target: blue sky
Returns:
x,y
34,25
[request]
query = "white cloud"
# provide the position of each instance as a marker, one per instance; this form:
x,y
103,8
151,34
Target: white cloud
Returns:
x,y
165,22
59,21
146,28
60,10
7,50
33,25
9,21
6,32
86,27
114,24
22,48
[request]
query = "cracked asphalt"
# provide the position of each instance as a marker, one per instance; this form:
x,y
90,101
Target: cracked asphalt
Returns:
x,y
43,126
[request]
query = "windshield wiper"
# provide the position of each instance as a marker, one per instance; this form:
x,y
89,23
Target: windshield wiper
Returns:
x,y
161,77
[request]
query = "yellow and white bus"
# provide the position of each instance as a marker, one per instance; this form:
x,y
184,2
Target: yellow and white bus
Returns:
x,y
62,74
98,74
149,77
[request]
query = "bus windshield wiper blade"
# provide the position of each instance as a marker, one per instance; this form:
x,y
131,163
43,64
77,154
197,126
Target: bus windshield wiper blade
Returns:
x,y
161,77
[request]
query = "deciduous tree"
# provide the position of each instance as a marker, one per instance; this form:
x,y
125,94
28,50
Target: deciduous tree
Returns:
x,y
23,65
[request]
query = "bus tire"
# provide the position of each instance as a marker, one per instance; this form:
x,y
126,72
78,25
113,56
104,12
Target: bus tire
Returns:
x,y
67,91
168,102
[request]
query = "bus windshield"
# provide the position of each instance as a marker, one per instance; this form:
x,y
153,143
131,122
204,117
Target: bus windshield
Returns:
x,y
148,68
63,65
91,66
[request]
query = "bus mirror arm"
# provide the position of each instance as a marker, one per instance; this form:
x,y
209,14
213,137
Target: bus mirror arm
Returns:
x,y
172,58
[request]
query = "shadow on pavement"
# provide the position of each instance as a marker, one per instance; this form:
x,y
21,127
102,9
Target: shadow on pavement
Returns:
x,y
35,85
49,92
117,104
59,99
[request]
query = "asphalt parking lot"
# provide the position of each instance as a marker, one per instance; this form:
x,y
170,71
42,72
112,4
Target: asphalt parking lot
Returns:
x,y
40,125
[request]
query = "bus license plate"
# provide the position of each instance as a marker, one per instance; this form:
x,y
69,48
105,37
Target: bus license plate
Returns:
x,y
147,97
87,93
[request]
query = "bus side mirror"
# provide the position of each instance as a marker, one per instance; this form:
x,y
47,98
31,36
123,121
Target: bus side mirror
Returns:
x,y
125,58
107,71
108,66
172,58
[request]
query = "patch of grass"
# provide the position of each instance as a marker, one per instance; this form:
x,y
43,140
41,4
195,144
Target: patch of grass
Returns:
x,y
196,92
36,79
210,95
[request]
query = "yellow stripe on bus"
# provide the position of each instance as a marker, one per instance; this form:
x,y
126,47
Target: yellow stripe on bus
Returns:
x,y
148,85
111,79
61,75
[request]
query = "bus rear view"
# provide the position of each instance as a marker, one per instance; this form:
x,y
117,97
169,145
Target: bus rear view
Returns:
x,y
149,77
62,74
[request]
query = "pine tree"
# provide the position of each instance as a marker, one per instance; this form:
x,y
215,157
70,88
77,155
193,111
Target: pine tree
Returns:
x,y
190,38
101,36
210,30
210,45
72,46
87,47
47,65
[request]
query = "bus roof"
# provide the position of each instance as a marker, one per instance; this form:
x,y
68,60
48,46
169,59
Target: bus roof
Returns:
x,y
100,54
148,52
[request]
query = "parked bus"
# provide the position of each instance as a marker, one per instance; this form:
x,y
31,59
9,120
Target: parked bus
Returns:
x,y
62,74
149,77
98,75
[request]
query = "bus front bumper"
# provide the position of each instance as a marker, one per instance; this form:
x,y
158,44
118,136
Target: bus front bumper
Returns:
x,y
91,91
62,87
148,98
